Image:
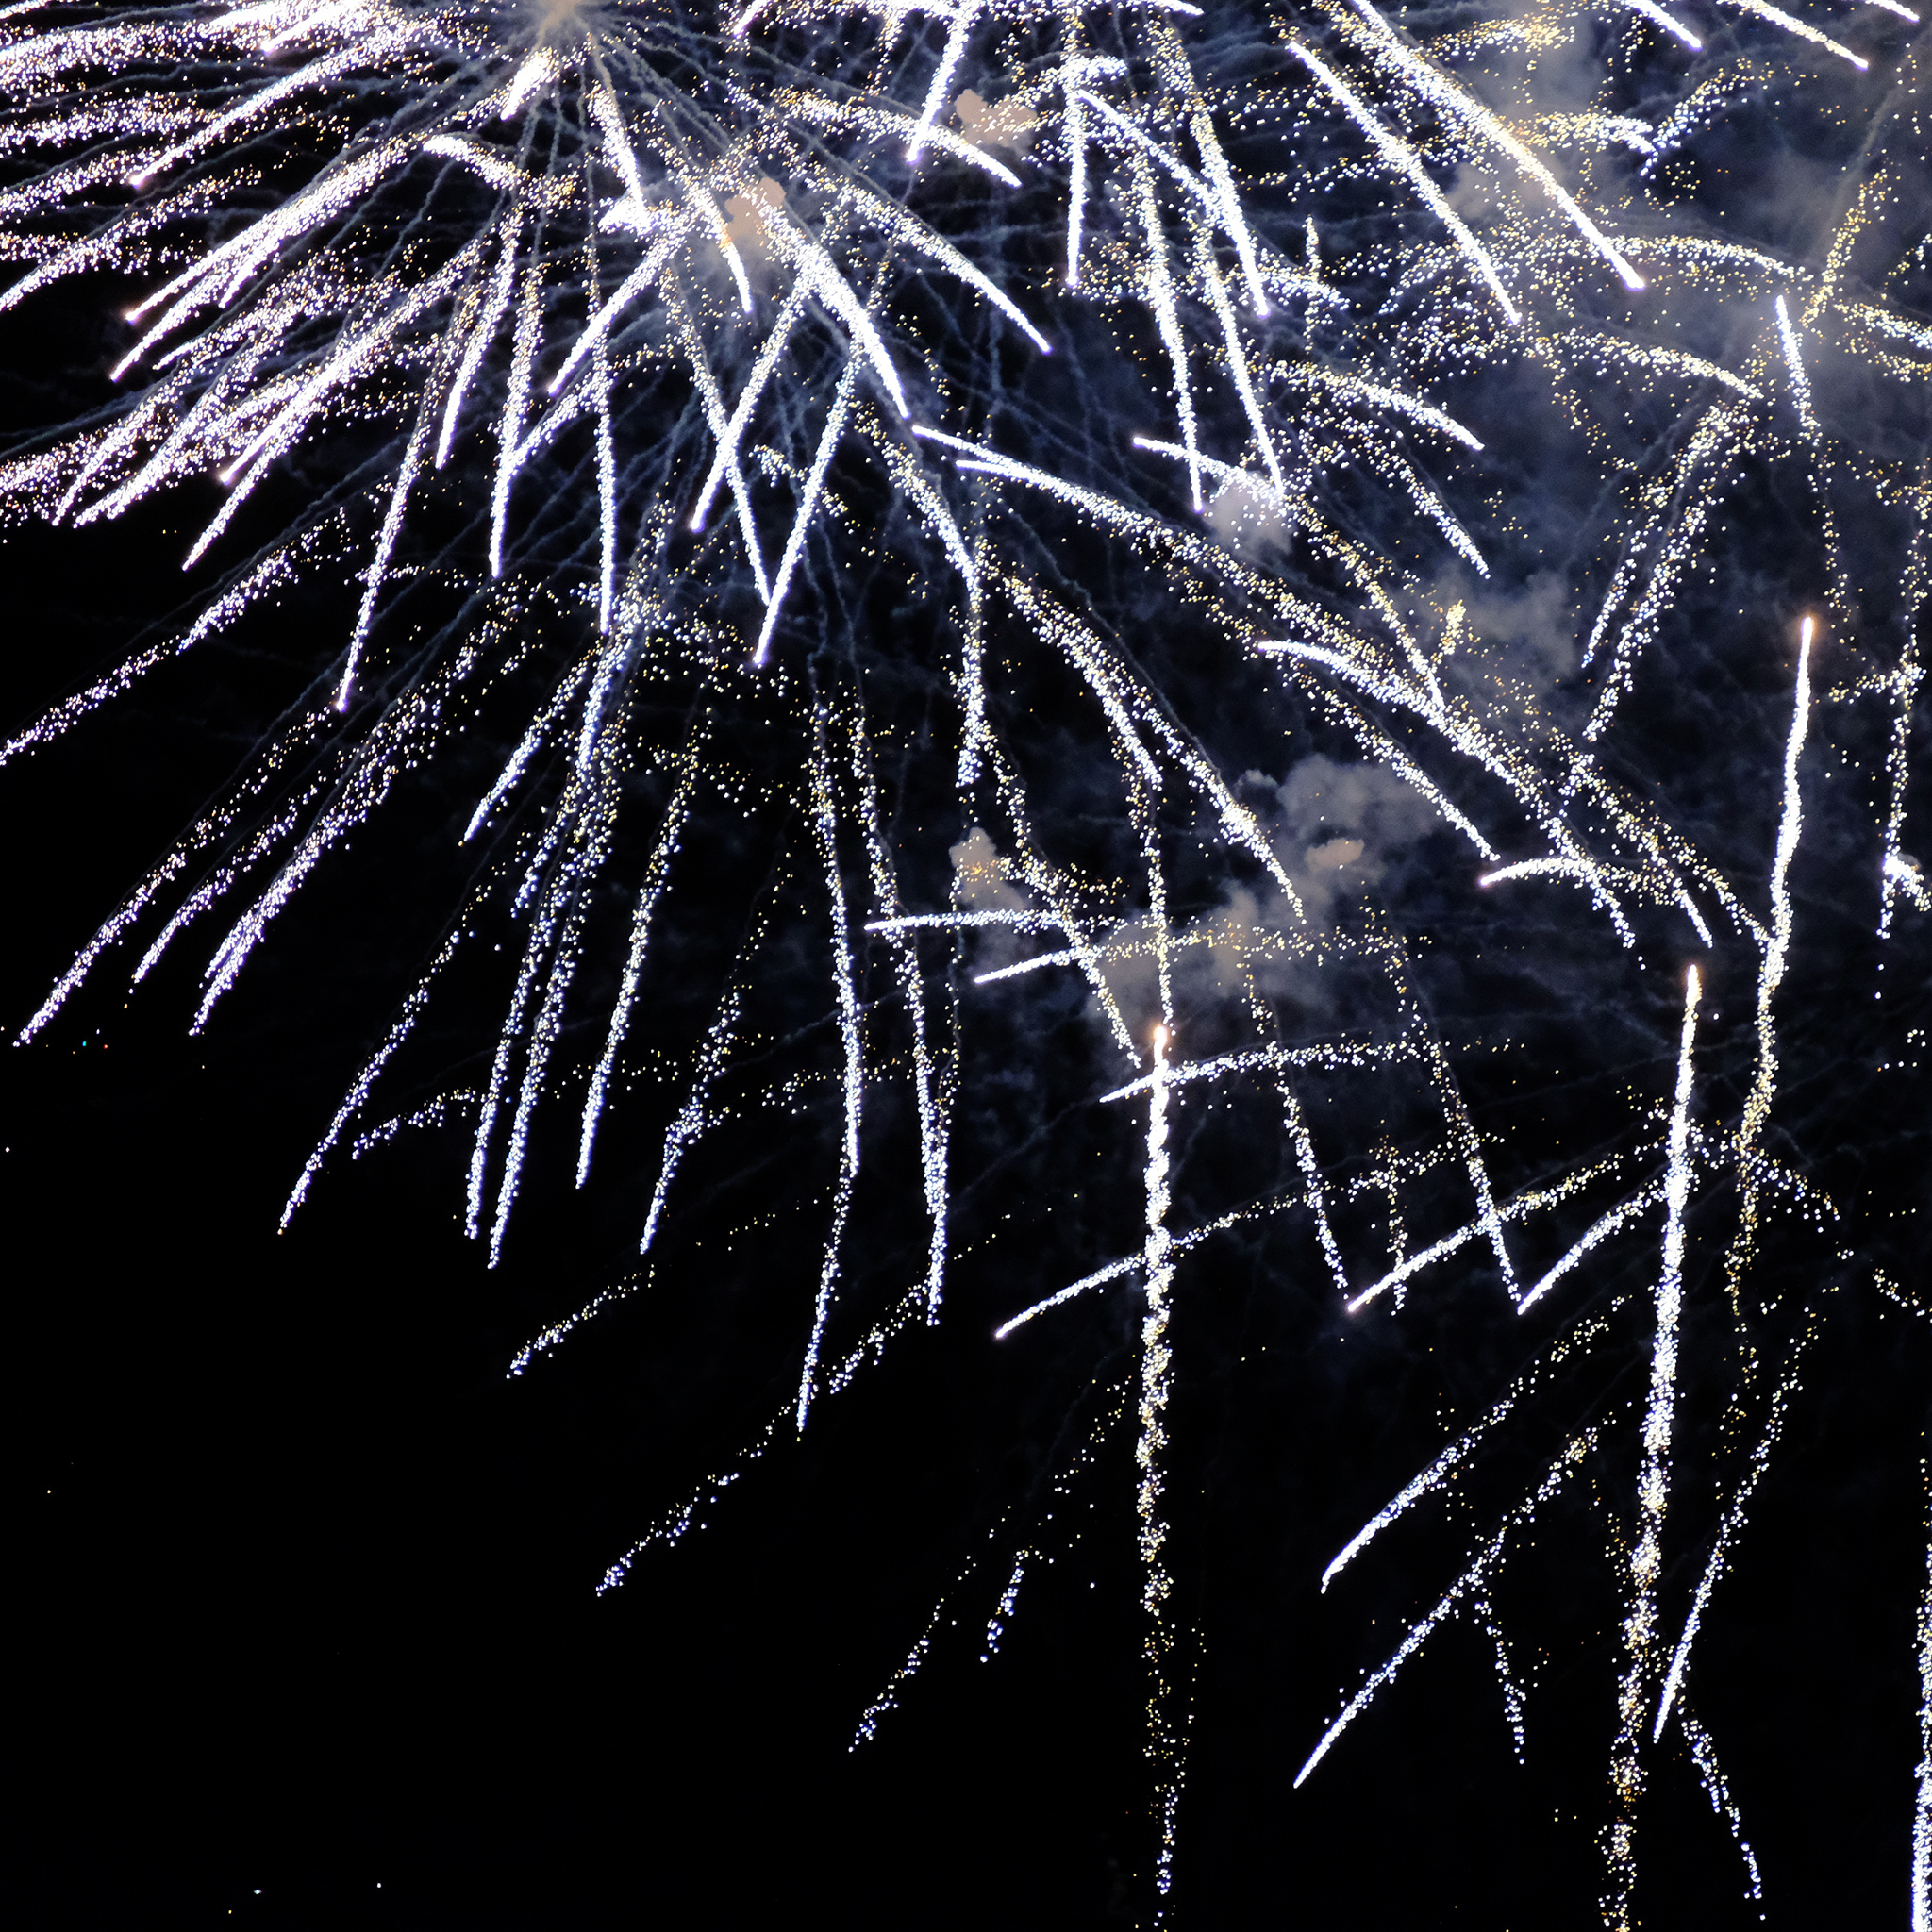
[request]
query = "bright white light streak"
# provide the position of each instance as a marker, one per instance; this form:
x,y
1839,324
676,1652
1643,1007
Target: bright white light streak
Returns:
x,y
1018,971
729,437
1418,1633
1140,144
1210,273
1157,1358
1439,87
352,1102
526,749
1671,24
877,121
809,261
1099,1278
909,922
1419,1487
486,164
1653,1487
627,291
1903,873
1348,385
538,69
1599,1231
314,75
808,504
1413,1491
379,566
516,403
344,367
607,490
1339,1053
930,1092
1428,1256
1234,222
1733,1521
1770,975
694,1117
260,239
1089,657
1401,156
562,924
275,569
941,89
727,462
1167,319
482,334
1791,24
650,894
1076,184
1545,867
917,236
1134,1264
1438,514
844,985
1801,383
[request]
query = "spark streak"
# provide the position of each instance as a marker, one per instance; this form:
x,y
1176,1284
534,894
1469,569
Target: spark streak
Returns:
x,y
1653,1492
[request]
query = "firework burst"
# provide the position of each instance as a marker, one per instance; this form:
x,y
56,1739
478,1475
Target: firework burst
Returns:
x,y
1201,506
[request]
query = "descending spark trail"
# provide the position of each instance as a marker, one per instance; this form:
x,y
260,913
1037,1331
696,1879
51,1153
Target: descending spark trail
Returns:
x,y
1470,1581
1734,1517
1240,519
1653,1491
1156,1586
1776,953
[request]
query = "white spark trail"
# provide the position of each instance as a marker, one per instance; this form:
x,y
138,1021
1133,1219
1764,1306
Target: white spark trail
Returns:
x,y
930,1097
1794,361
1157,1355
1669,22
1167,319
940,91
1420,1485
1716,1787
1791,24
1598,1232
597,330
726,463
649,896
1771,974
399,1031
694,1116
731,433
1727,1529
808,504
1400,155
1652,1490
1470,1579
843,980
1384,45
483,330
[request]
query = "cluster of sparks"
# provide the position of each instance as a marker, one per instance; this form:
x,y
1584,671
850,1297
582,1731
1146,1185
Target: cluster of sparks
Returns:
x,y
685,316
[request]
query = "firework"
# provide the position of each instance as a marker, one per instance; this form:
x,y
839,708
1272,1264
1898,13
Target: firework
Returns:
x,y
1297,444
